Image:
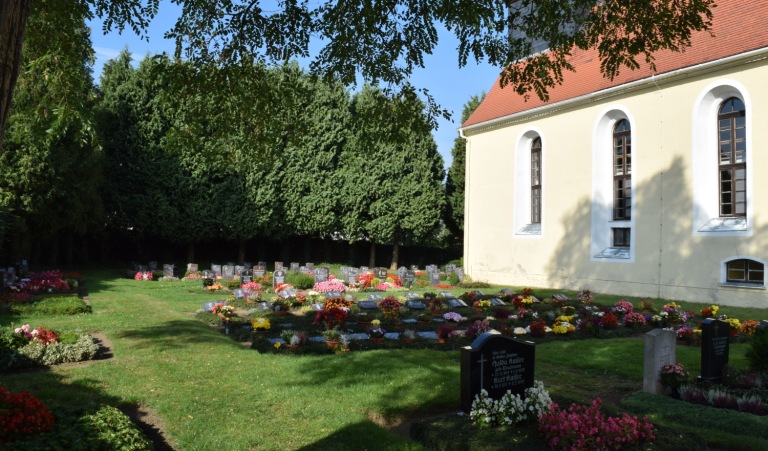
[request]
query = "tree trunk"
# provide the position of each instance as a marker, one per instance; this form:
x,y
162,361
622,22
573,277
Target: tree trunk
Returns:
x,y
352,259
372,256
241,250
13,21
395,254
191,252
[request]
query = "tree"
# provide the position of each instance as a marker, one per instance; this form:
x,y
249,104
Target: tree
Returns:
x,y
454,183
385,40
393,174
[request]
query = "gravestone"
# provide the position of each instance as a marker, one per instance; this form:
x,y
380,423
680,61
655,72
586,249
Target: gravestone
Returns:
x,y
152,265
231,263
317,307
295,266
351,276
246,276
414,268
285,294
507,291
401,272
310,266
496,302
408,278
333,294
434,278
278,277
365,269
278,265
375,297
367,305
216,269
208,306
247,264
239,270
412,295
208,274
660,350
239,294
460,274
321,274
380,273
168,270
431,268
450,268
259,271
228,272
192,267
456,303
447,295
714,349
415,305
263,264
142,268
344,270
497,364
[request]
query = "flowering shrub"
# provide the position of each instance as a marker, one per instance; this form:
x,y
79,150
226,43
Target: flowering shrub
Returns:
x,y
453,316
749,326
511,408
527,314
330,285
331,318
390,307
734,323
563,327
672,313
674,375
537,327
444,286
253,286
479,327
223,311
609,321
22,414
586,428
623,307
337,303
261,324
365,279
143,275
634,319
42,335
521,301
710,312
647,306
46,281
585,296
284,286
216,286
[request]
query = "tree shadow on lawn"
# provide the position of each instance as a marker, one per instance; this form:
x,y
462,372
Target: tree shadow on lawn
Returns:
x,y
68,402
175,334
357,436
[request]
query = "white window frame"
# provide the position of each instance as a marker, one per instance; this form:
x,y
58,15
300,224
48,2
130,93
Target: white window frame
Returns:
x,y
522,186
704,161
724,273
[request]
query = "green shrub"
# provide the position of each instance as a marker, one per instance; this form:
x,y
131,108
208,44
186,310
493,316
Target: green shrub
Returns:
x,y
756,354
56,353
453,279
109,428
300,280
57,305
471,284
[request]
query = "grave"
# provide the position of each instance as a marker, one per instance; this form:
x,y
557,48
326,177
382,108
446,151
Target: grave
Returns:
x,y
449,268
496,302
415,305
239,270
714,349
351,276
507,291
228,272
259,271
368,305
660,350
497,364
365,269
216,269
460,274
380,273
333,294
168,270
456,303
310,266
262,264
375,297
246,276
285,294
152,265
192,267
560,298
401,272
408,278
278,265
434,278
278,277
321,274
414,268
295,266
447,295
142,268
412,295
208,274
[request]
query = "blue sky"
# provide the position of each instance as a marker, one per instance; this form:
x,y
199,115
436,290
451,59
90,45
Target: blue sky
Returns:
x,y
450,86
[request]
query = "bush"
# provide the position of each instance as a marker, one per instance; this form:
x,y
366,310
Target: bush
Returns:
x,y
36,353
57,305
109,428
22,414
300,280
758,350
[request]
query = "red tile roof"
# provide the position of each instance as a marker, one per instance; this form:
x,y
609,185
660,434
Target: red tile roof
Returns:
x,y
738,26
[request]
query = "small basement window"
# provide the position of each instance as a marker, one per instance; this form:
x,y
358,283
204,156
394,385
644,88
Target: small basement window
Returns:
x,y
745,272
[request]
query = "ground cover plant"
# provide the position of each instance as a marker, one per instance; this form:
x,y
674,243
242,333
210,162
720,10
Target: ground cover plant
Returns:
x,y
204,389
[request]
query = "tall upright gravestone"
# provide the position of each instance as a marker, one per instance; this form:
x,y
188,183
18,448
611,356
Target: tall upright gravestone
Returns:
x,y
497,364
278,277
714,349
660,350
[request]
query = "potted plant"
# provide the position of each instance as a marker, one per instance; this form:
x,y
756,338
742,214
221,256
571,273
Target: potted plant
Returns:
x,y
376,333
673,376
537,328
436,306
480,305
344,341
293,338
444,333
390,306
331,337
280,307
408,336
261,325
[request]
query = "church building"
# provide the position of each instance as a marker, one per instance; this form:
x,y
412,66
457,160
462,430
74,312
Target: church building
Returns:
x,y
654,184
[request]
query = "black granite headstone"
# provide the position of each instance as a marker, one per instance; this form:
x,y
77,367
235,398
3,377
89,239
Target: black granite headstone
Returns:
x,y
456,303
496,302
380,273
246,276
497,364
714,349
152,265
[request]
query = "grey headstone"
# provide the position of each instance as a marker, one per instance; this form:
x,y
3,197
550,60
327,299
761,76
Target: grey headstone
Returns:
x,y
401,272
412,295
239,270
374,297
367,305
447,295
192,267
364,269
278,265
152,265
434,278
460,274
264,264
660,350
497,364
408,278
208,274
415,305
333,294
351,276
228,272
278,277
310,266
216,269
294,266
168,270
321,274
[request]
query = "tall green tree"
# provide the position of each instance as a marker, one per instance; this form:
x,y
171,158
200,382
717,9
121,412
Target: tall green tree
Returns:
x,y
51,166
454,183
389,39
393,173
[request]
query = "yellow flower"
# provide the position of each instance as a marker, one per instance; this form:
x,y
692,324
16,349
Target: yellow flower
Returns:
x,y
277,344
527,300
375,323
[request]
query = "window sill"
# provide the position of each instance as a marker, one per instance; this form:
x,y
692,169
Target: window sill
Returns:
x,y
615,252
530,229
725,225
751,286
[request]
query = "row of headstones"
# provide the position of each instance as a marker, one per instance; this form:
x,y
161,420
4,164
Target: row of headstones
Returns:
x,y
349,274
660,350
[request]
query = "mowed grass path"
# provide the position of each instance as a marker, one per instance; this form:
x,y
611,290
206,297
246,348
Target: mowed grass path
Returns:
x,y
210,392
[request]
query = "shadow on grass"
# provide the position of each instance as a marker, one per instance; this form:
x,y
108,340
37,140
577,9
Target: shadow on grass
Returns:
x,y
361,435
69,402
174,334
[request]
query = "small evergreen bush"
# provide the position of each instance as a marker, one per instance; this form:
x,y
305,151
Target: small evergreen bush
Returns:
x,y
300,280
109,428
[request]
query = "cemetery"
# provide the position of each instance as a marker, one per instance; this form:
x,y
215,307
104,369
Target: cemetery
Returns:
x,y
418,357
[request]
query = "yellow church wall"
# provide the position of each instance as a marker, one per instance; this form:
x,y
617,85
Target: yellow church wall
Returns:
x,y
670,258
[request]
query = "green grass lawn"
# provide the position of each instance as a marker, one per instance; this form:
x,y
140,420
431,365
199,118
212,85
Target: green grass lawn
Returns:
x,y
210,392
